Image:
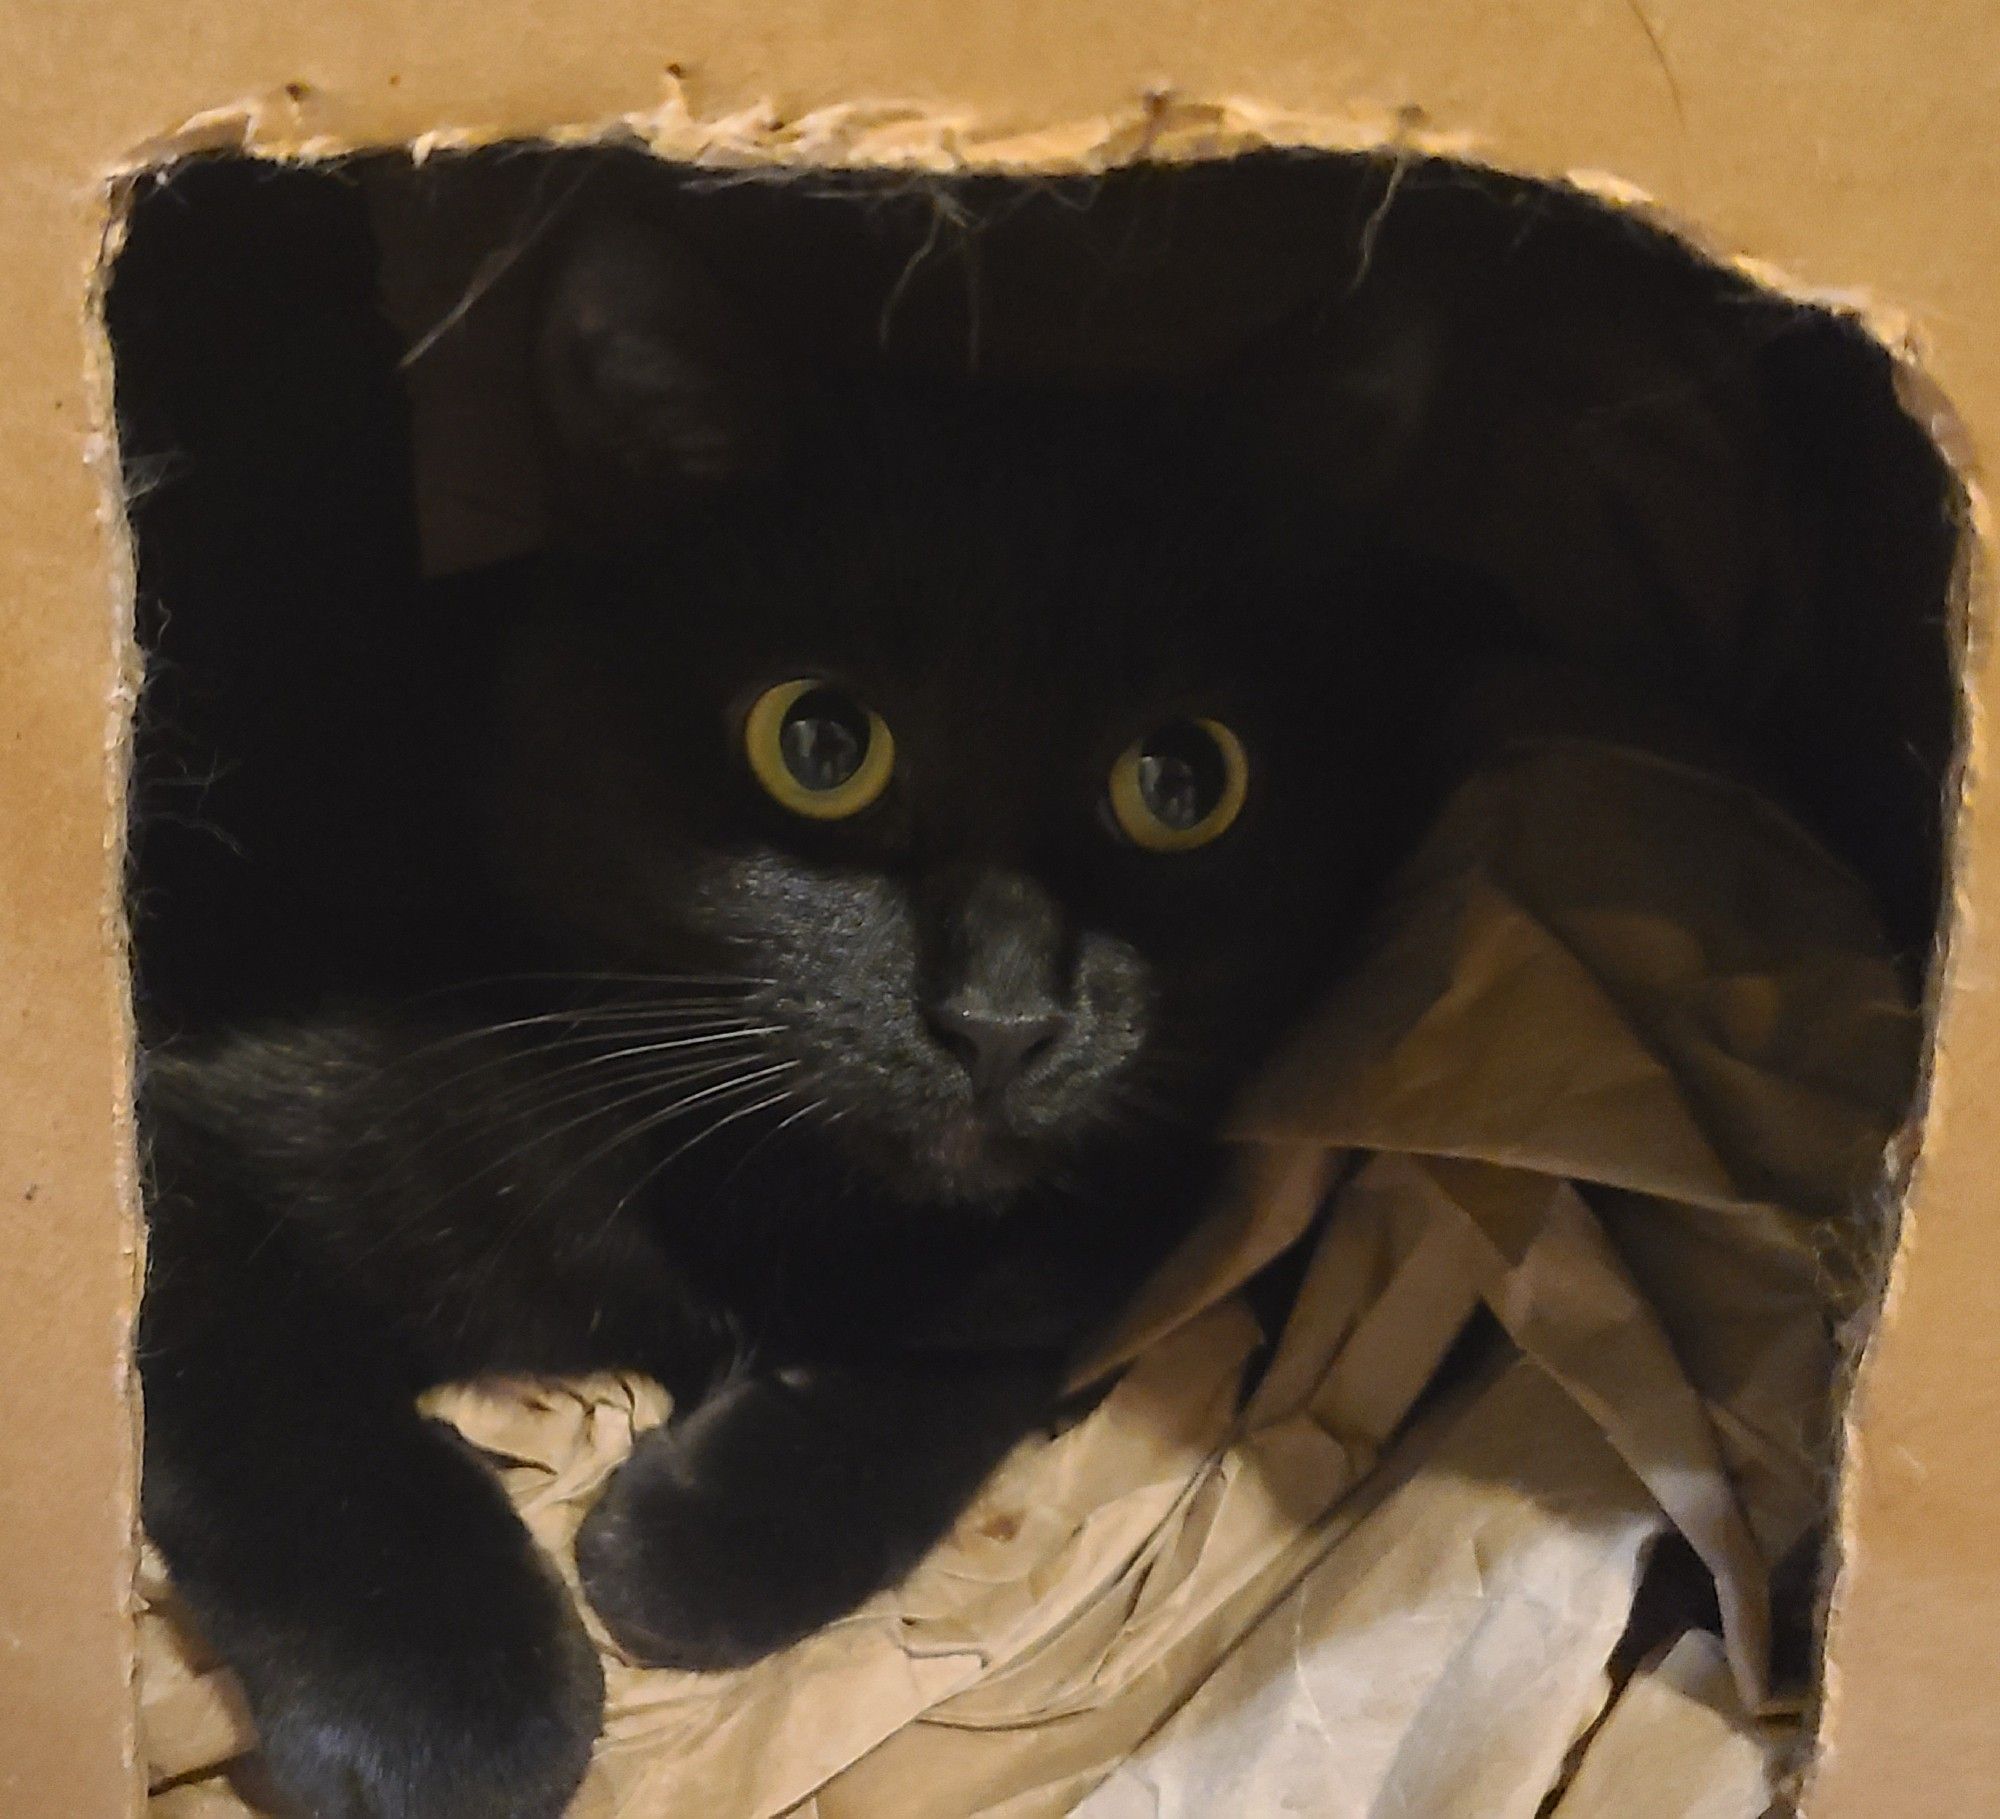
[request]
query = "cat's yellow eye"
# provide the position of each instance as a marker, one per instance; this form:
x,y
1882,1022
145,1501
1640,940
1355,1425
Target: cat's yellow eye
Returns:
x,y
817,750
1179,787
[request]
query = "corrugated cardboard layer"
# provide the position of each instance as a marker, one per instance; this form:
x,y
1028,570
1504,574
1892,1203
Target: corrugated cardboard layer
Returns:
x,y
1849,145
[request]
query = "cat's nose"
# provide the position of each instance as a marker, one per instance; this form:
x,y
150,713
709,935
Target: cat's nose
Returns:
x,y
996,1047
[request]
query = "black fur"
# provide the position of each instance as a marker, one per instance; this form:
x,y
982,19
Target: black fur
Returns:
x,y
679,1093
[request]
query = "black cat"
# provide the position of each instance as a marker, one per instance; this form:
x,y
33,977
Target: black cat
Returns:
x,y
899,827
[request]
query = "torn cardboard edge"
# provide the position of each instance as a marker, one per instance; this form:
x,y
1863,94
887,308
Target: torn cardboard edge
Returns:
x,y
1969,606
121,575
924,141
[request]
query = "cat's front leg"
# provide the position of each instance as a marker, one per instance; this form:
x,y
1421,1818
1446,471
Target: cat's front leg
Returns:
x,y
784,1500
405,1651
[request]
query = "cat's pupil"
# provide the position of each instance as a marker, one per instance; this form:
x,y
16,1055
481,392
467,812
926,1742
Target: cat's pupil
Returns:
x,y
1181,775
823,739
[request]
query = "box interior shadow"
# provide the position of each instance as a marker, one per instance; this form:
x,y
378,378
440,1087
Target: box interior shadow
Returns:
x,y
1708,502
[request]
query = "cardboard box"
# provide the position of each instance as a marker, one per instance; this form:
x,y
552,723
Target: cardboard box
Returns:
x,y
1834,153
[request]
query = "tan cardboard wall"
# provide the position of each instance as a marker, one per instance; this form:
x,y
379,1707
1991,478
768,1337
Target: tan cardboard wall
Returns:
x,y
1852,145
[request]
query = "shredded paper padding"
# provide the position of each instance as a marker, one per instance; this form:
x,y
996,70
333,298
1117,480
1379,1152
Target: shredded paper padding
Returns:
x,y
1620,1070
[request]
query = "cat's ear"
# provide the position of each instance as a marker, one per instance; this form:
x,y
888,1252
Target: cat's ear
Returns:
x,y
653,385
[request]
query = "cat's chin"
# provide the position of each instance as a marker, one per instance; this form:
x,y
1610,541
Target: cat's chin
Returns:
x,y
962,1159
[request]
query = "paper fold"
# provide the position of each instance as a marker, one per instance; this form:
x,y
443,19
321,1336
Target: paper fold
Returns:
x,y
1620,1068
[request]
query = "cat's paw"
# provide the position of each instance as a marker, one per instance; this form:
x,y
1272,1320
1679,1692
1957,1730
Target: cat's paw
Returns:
x,y
500,1728
716,1545
783,1501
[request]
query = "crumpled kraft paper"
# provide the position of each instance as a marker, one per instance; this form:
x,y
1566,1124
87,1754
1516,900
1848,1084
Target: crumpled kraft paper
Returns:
x,y
1353,1696
1620,1068
1677,1745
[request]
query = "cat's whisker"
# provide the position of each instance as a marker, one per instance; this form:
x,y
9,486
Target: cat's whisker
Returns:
x,y
783,1125
539,1203
666,1162
526,1054
622,1009
724,981
647,1053
642,1079
722,1033
668,1036
667,1011
631,994
653,1121
675,1108
604,1095
666,1045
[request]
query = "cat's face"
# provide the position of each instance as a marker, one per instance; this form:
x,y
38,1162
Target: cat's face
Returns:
x,y
982,742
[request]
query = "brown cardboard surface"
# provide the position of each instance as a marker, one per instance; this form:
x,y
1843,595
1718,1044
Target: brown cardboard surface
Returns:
x,y
1848,145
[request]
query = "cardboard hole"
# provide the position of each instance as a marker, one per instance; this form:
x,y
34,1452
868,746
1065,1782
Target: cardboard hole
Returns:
x,y
1705,496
